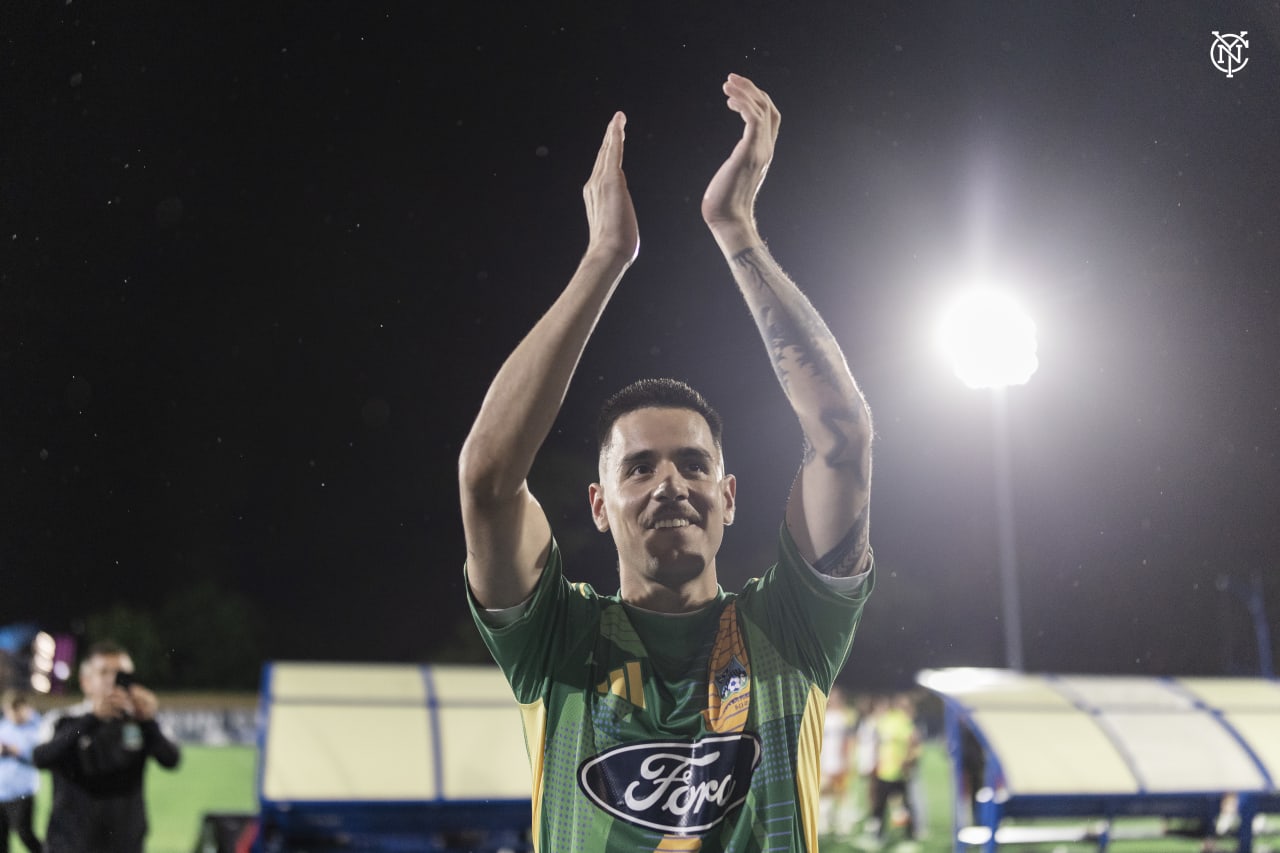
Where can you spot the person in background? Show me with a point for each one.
(97, 752)
(897, 752)
(834, 815)
(864, 756)
(19, 731)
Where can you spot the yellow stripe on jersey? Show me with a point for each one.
(626, 683)
(534, 716)
(635, 684)
(678, 844)
(616, 684)
(808, 771)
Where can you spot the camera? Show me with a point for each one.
(124, 679)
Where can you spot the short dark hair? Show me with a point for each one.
(656, 394)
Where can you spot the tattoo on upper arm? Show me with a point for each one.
(847, 451)
(833, 422)
(849, 557)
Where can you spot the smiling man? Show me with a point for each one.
(672, 715)
(667, 498)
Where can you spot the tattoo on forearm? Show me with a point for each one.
(794, 335)
(790, 335)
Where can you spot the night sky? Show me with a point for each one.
(259, 262)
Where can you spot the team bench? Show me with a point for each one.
(1100, 748)
(414, 759)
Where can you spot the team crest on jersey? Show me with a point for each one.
(673, 786)
(731, 679)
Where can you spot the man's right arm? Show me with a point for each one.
(59, 735)
(507, 534)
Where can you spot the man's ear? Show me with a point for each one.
(729, 486)
(595, 494)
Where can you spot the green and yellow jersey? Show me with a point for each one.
(694, 732)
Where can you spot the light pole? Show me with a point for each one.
(1252, 598)
(991, 343)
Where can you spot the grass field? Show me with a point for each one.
(221, 779)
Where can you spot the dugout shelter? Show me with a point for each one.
(415, 759)
(1104, 747)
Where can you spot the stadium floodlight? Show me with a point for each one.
(989, 339)
(991, 343)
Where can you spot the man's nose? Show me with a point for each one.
(671, 485)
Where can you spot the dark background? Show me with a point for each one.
(259, 261)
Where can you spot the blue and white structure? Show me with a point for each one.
(1081, 746)
(415, 759)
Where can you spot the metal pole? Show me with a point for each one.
(1252, 598)
(1257, 612)
(1004, 522)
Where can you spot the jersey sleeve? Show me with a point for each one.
(810, 621)
(529, 648)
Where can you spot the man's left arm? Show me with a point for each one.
(166, 753)
(827, 513)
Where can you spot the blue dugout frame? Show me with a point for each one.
(989, 811)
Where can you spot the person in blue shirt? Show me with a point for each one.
(19, 733)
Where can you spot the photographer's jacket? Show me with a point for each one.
(98, 768)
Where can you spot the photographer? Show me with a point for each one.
(97, 753)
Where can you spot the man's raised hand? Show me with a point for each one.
(730, 197)
(611, 217)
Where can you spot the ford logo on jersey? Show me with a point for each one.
(673, 786)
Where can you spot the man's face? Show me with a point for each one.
(98, 674)
(663, 494)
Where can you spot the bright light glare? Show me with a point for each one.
(965, 680)
(44, 644)
(989, 340)
(972, 835)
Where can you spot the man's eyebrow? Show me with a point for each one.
(637, 456)
(650, 455)
(695, 453)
